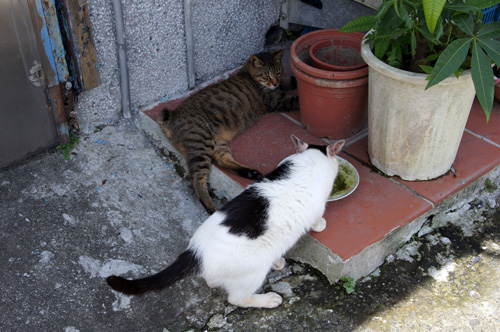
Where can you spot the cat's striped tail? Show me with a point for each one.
(186, 263)
(164, 116)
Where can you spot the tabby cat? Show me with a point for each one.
(237, 246)
(203, 125)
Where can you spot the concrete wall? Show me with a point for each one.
(103, 103)
(225, 33)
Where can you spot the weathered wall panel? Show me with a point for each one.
(75, 19)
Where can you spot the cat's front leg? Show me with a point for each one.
(279, 264)
(319, 225)
(223, 157)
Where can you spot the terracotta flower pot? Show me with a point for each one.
(337, 54)
(333, 104)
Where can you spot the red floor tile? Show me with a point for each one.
(155, 112)
(379, 205)
(373, 210)
(477, 122)
(475, 157)
(359, 150)
(266, 143)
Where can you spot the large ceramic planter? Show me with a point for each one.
(332, 103)
(412, 132)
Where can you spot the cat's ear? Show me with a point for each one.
(277, 56)
(256, 61)
(300, 146)
(335, 148)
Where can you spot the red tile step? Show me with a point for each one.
(380, 204)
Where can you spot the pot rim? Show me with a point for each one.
(375, 63)
(310, 39)
(327, 43)
(328, 83)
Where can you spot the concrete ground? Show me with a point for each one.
(117, 207)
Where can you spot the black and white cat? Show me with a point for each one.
(238, 245)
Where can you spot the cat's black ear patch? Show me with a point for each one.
(321, 148)
(246, 214)
(281, 172)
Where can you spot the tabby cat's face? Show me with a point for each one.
(267, 69)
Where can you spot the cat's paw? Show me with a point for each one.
(211, 285)
(254, 175)
(319, 225)
(272, 300)
(279, 264)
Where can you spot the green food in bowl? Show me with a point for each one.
(346, 181)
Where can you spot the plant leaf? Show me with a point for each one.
(450, 59)
(462, 7)
(380, 47)
(492, 48)
(465, 23)
(396, 8)
(390, 24)
(395, 56)
(413, 43)
(432, 11)
(438, 31)
(482, 75)
(431, 57)
(383, 9)
(482, 4)
(426, 69)
(424, 31)
(491, 30)
(349, 290)
(405, 16)
(360, 24)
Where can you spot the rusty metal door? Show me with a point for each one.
(26, 121)
(38, 39)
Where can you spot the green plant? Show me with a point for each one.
(348, 284)
(489, 186)
(68, 147)
(437, 37)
